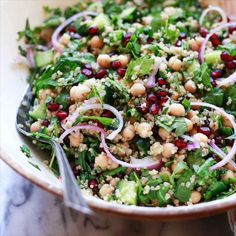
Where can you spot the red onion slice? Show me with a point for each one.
(30, 57)
(230, 80)
(56, 33)
(151, 81)
(140, 163)
(232, 152)
(213, 8)
(217, 29)
(220, 153)
(193, 145)
(85, 108)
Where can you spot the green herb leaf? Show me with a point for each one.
(24, 149)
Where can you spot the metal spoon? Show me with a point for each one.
(72, 194)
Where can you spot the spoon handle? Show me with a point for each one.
(72, 194)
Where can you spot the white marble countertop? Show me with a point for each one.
(26, 210)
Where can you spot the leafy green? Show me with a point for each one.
(143, 146)
(34, 165)
(230, 93)
(202, 75)
(195, 158)
(84, 159)
(24, 149)
(214, 189)
(215, 97)
(229, 47)
(139, 67)
(63, 99)
(118, 170)
(186, 104)
(161, 196)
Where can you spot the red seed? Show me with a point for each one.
(215, 40)
(155, 130)
(219, 140)
(204, 130)
(116, 64)
(88, 66)
(121, 72)
(93, 184)
(161, 93)
(144, 109)
(93, 31)
(150, 40)
(151, 98)
(162, 100)
(87, 73)
(216, 74)
(101, 74)
(231, 65)
(182, 36)
(107, 114)
(226, 57)
(53, 106)
(213, 82)
(232, 29)
(71, 29)
(203, 32)
(45, 123)
(230, 142)
(216, 158)
(161, 81)
(178, 43)
(61, 115)
(181, 144)
(126, 39)
(154, 109)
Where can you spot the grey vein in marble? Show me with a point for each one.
(26, 210)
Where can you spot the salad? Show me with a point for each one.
(142, 97)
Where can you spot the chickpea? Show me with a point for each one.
(195, 197)
(101, 161)
(137, 89)
(106, 190)
(177, 109)
(79, 93)
(173, 166)
(228, 175)
(96, 42)
(229, 166)
(124, 60)
(227, 122)
(65, 39)
(104, 60)
(35, 127)
(128, 133)
(189, 124)
(164, 134)
(169, 149)
(175, 63)
(75, 139)
(190, 86)
(200, 137)
(144, 129)
(193, 44)
(175, 96)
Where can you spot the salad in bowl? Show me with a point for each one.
(141, 95)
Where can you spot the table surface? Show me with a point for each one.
(26, 210)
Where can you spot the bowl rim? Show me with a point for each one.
(132, 212)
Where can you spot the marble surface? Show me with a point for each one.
(26, 210)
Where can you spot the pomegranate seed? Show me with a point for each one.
(142, 109)
(216, 158)
(71, 29)
(216, 74)
(204, 130)
(230, 142)
(99, 124)
(53, 106)
(93, 184)
(87, 73)
(161, 81)
(231, 65)
(88, 66)
(203, 32)
(178, 43)
(75, 171)
(101, 74)
(154, 109)
(182, 36)
(162, 100)
(61, 115)
(226, 57)
(161, 93)
(232, 29)
(46, 123)
(150, 40)
(121, 72)
(116, 64)
(215, 40)
(107, 114)
(181, 144)
(213, 82)
(93, 31)
(126, 39)
(155, 131)
(151, 98)
(219, 140)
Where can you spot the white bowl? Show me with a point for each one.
(13, 83)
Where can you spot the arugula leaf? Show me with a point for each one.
(139, 67)
(24, 149)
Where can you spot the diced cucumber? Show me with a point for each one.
(127, 13)
(128, 192)
(39, 113)
(43, 58)
(213, 57)
(193, 67)
(101, 21)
